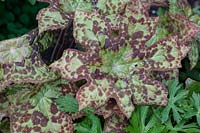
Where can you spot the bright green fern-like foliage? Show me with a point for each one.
(160, 120)
(175, 96)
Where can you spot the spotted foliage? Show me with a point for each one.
(26, 119)
(29, 112)
(186, 27)
(117, 63)
(61, 12)
(21, 63)
(115, 124)
(121, 56)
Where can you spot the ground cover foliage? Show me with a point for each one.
(104, 66)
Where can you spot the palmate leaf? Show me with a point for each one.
(26, 119)
(195, 109)
(67, 104)
(21, 63)
(171, 23)
(117, 63)
(51, 19)
(176, 94)
(142, 121)
(15, 50)
(61, 12)
(42, 100)
(90, 124)
(35, 111)
(182, 127)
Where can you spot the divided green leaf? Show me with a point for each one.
(67, 104)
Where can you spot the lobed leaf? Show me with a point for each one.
(27, 119)
(51, 19)
(35, 111)
(14, 50)
(23, 64)
(117, 63)
(115, 124)
(176, 95)
(67, 104)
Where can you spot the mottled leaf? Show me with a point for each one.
(69, 6)
(30, 70)
(34, 110)
(148, 91)
(115, 124)
(25, 118)
(59, 14)
(112, 6)
(51, 19)
(166, 75)
(14, 50)
(22, 63)
(186, 29)
(109, 109)
(117, 64)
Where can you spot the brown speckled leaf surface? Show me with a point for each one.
(117, 55)
(22, 63)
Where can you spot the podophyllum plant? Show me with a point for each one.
(110, 50)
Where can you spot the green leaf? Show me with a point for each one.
(5, 126)
(21, 63)
(67, 104)
(194, 87)
(32, 2)
(4, 104)
(15, 50)
(194, 74)
(115, 52)
(182, 127)
(42, 100)
(195, 100)
(174, 8)
(196, 9)
(90, 124)
(193, 55)
(38, 112)
(143, 121)
(51, 19)
(176, 94)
